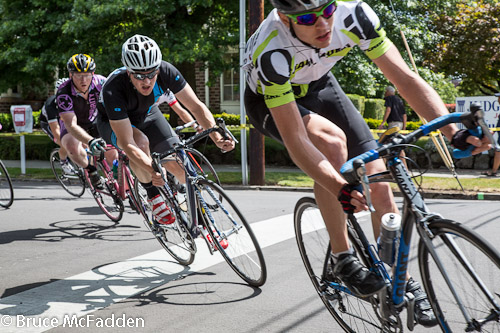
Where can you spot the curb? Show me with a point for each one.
(429, 194)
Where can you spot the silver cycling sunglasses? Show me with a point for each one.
(142, 77)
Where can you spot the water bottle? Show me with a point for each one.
(115, 169)
(389, 233)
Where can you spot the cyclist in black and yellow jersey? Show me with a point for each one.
(293, 97)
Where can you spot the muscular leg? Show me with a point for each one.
(331, 141)
(381, 195)
(142, 142)
(75, 150)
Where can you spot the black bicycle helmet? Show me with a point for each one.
(81, 63)
(297, 6)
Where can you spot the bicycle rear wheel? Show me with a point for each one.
(175, 238)
(6, 189)
(225, 222)
(352, 313)
(467, 259)
(106, 195)
(72, 183)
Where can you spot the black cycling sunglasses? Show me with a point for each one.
(142, 77)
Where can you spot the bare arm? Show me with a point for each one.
(386, 115)
(204, 117)
(181, 112)
(70, 122)
(418, 93)
(56, 131)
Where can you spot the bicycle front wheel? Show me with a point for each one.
(73, 182)
(175, 238)
(107, 196)
(234, 237)
(352, 313)
(6, 189)
(472, 266)
(202, 165)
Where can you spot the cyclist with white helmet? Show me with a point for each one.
(49, 122)
(131, 119)
(77, 104)
(293, 97)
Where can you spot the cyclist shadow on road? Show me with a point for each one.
(92, 290)
(71, 229)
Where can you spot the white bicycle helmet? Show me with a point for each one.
(141, 54)
(59, 82)
(297, 6)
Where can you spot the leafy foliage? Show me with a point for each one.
(470, 46)
(37, 37)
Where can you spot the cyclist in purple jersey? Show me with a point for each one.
(77, 103)
(132, 120)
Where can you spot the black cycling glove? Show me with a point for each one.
(345, 197)
(458, 140)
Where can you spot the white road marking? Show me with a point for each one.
(90, 291)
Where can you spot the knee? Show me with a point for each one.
(143, 144)
(381, 195)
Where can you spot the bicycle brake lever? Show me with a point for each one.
(361, 170)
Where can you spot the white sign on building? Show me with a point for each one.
(489, 104)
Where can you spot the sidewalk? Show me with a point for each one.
(444, 173)
(462, 173)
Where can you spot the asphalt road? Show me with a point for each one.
(61, 256)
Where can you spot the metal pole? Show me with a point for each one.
(257, 147)
(23, 155)
(243, 121)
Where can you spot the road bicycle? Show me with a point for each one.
(207, 210)
(115, 186)
(6, 189)
(72, 182)
(460, 270)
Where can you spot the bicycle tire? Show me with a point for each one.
(202, 165)
(74, 184)
(6, 189)
(224, 221)
(352, 313)
(107, 197)
(174, 238)
(484, 260)
(130, 190)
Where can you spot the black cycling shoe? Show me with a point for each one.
(423, 310)
(357, 277)
(95, 179)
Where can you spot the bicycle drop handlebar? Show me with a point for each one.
(474, 121)
(220, 127)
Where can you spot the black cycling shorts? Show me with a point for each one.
(160, 134)
(46, 128)
(326, 98)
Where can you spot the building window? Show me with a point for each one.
(230, 85)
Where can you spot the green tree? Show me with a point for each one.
(470, 45)
(30, 40)
(38, 36)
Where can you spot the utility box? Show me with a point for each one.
(22, 116)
